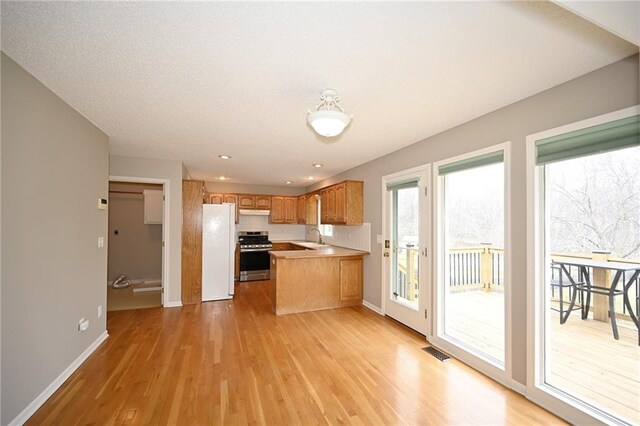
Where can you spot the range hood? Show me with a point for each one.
(255, 212)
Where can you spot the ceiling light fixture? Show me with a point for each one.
(223, 178)
(317, 165)
(310, 178)
(224, 157)
(328, 119)
(288, 182)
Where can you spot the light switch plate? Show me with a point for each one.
(379, 238)
(100, 241)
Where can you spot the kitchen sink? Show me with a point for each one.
(311, 245)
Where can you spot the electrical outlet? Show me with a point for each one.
(83, 325)
(99, 311)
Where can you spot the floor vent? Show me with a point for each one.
(436, 353)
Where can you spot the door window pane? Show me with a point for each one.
(405, 246)
(592, 215)
(473, 287)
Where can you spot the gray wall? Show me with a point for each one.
(132, 167)
(608, 89)
(241, 188)
(136, 250)
(53, 273)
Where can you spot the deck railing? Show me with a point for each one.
(482, 268)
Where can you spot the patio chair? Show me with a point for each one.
(560, 284)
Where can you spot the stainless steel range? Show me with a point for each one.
(254, 255)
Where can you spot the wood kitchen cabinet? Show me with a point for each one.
(283, 210)
(263, 202)
(277, 206)
(290, 206)
(252, 201)
(350, 279)
(216, 198)
(279, 246)
(246, 201)
(312, 209)
(232, 198)
(192, 196)
(301, 209)
(342, 203)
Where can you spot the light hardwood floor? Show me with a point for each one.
(234, 362)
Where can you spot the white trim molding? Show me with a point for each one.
(53, 386)
(166, 227)
(177, 304)
(373, 307)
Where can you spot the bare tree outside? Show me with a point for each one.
(594, 204)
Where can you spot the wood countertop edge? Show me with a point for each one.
(342, 252)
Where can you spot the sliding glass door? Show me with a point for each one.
(472, 256)
(586, 270)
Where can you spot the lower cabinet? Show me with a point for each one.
(311, 283)
(350, 279)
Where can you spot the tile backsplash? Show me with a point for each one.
(276, 232)
(357, 237)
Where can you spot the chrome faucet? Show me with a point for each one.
(319, 234)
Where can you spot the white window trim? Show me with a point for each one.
(556, 401)
(437, 337)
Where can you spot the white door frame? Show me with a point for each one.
(165, 225)
(554, 400)
(482, 364)
(423, 173)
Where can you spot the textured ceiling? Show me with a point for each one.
(189, 81)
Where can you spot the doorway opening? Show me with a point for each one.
(135, 246)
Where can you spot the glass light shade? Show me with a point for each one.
(328, 123)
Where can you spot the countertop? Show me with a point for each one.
(328, 251)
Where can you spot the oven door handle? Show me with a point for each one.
(254, 250)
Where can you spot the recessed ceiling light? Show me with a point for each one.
(288, 182)
(224, 157)
(318, 165)
(223, 178)
(310, 178)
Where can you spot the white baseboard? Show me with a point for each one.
(519, 387)
(173, 304)
(374, 308)
(49, 390)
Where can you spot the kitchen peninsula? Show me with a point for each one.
(307, 279)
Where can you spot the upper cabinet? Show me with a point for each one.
(312, 208)
(153, 201)
(215, 198)
(342, 204)
(301, 209)
(283, 209)
(246, 201)
(263, 202)
(251, 201)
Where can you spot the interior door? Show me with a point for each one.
(405, 251)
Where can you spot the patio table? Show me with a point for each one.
(611, 291)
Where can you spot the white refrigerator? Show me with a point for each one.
(218, 247)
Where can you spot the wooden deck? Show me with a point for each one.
(585, 359)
